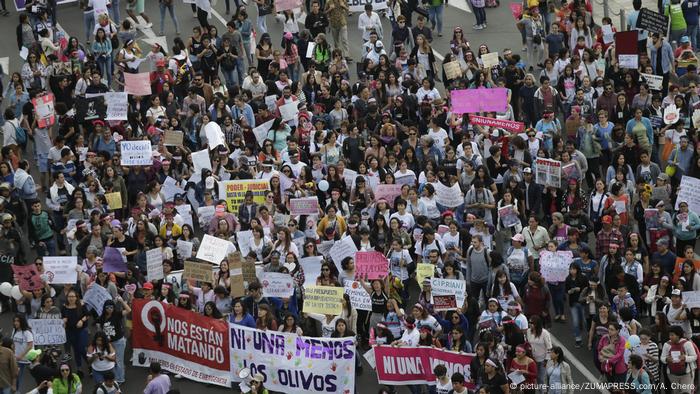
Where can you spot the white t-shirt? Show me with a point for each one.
(21, 340)
(443, 388)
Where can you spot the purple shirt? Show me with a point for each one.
(158, 385)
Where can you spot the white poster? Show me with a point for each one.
(213, 249)
(276, 284)
(342, 249)
(61, 270)
(137, 153)
(359, 298)
(201, 161)
(312, 269)
(184, 249)
(554, 266)
(448, 196)
(47, 331)
(260, 132)
(448, 287)
(359, 5)
(154, 264)
(289, 111)
(117, 105)
(689, 190)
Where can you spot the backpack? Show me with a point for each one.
(486, 254)
(20, 135)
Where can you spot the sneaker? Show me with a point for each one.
(148, 25)
(578, 344)
(475, 26)
(524, 49)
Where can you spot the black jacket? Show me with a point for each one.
(316, 23)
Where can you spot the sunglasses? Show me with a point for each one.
(325, 269)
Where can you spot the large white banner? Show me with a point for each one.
(294, 364)
(48, 331)
(359, 5)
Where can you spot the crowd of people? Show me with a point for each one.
(630, 145)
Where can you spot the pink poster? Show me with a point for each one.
(43, 106)
(372, 264)
(303, 206)
(27, 277)
(411, 365)
(466, 101)
(387, 192)
(137, 84)
(283, 5)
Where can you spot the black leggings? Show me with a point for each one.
(4, 8)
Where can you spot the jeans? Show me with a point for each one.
(171, 10)
(693, 34)
(480, 15)
(557, 292)
(114, 12)
(105, 65)
(262, 24)
(229, 77)
(119, 348)
(293, 71)
(578, 319)
(248, 55)
(99, 376)
(89, 23)
(20, 373)
(435, 16)
(78, 340)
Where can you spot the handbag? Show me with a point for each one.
(671, 167)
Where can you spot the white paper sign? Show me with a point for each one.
(449, 287)
(310, 50)
(117, 105)
(61, 270)
(184, 249)
(201, 161)
(5, 65)
(260, 132)
(154, 264)
(608, 34)
(47, 331)
(205, 215)
(655, 82)
(359, 298)
(277, 284)
(342, 249)
(215, 136)
(555, 266)
(689, 190)
(95, 297)
(244, 238)
(289, 111)
(691, 298)
(628, 61)
(137, 153)
(448, 196)
(312, 269)
(490, 59)
(213, 249)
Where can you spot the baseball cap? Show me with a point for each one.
(685, 40)
(148, 286)
(527, 170)
(676, 292)
(607, 219)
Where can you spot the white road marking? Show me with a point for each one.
(460, 4)
(576, 364)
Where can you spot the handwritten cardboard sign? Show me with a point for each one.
(198, 271)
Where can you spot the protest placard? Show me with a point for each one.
(27, 277)
(198, 271)
(47, 331)
(548, 172)
(554, 266)
(652, 21)
(260, 131)
(371, 265)
(289, 111)
(312, 269)
(213, 249)
(303, 206)
(387, 192)
(342, 249)
(5, 65)
(450, 197)
(691, 298)
(628, 61)
(277, 284)
(43, 107)
(205, 359)
(90, 108)
(689, 190)
(445, 302)
(490, 59)
(479, 100)
(655, 82)
(170, 188)
(497, 123)
(508, 216)
(359, 298)
(414, 365)
(61, 269)
(154, 264)
(95, 298)
(424, 271)
(571, 171)
(359, 5)
(136, 153)
(456, 287)
(215, 136)
(201, 161)
(137, 84)
(452, 70)
(284, 5)
(249, 273)
(292, 363)
(234, 192)
(325, 300)
(238, 285)
(205, 214)
(113, 260)
(114, 200)
(173, 138)
(184, 249)
(117, 105)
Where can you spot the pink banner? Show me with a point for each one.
(27, 277)
(303, 206)
(43, 106)
(467, 101)
(137, 84)
(408, 365)
(498, 123)
(517, 10)
(373, 264)
(387, 192)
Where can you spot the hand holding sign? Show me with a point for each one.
(671, 114)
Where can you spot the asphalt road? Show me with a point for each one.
(499, 34)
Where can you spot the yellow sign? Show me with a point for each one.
(234, 192)
(114, 200)
(326, 300)
(423, 271)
